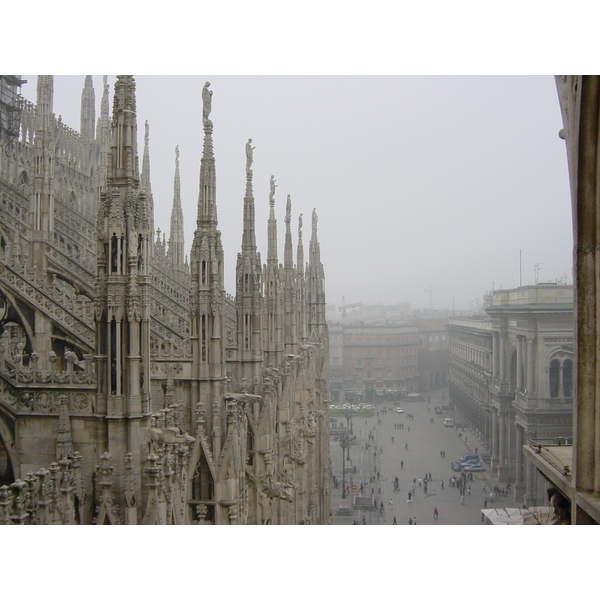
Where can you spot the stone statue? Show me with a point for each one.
(249, 149)
(206, 101)
(315, 220)
(273, 186)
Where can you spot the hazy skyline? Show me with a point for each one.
(419, 182)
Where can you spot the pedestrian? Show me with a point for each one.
(485, 503)
(377, 474)
(394, 521)
(364, 520)
(406, 446)
(442, 484)
(392, 439)
(483, 488)
(410, 521)
(391, 504)
(475, 449)
(414, 520)
(469, 490)
(409, 498)
(435, 513)
(402, 464)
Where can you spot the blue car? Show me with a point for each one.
(473, 468)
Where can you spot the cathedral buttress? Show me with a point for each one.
(315, 280)
(87, 124)
(273, 301)
(208, 295)
(290, 325)
(145, 185)
(43, 172)
(249, 300)
(176, 240)
(122, 304)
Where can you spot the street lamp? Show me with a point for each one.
(344, 443)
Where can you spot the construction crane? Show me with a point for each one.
(345, 306)
(431, 290)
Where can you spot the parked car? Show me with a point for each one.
(474, 468)
(469, 458)
(455, 466)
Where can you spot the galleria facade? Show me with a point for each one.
(133, 389)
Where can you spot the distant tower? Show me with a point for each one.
(248, 297)
(87, 126)
(315, 278)
(207, 327)
(300, 296)
(122, 302)
(273, 300)
(290, 332)
(176, 242)
(103, 131)
(145, 185)
(43, 178)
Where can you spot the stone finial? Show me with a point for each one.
(249, 155)
(206, 101)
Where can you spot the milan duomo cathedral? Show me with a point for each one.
(134, 389)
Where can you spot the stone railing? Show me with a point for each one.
(21, 368)
(48, 298)
(82, 271)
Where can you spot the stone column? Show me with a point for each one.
(519, 362)
(494, 438)
(530, 366)
(502, 453)
(501, 373)
(519, 487)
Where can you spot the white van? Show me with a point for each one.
(448, 422)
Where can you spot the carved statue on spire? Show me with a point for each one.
(177, 154)
(300, 226)
(315, 220)
(249, 149)
(206, 101)
(273, 186)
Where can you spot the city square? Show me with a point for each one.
(414, 453)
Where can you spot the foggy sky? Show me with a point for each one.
(419, 182)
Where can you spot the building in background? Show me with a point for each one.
(433, 354)
(511, 378)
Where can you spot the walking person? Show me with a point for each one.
(435, 513)
(402, 464)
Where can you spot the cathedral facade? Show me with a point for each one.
(133, 388)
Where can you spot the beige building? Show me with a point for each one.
(512, 378)
(133, 388)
